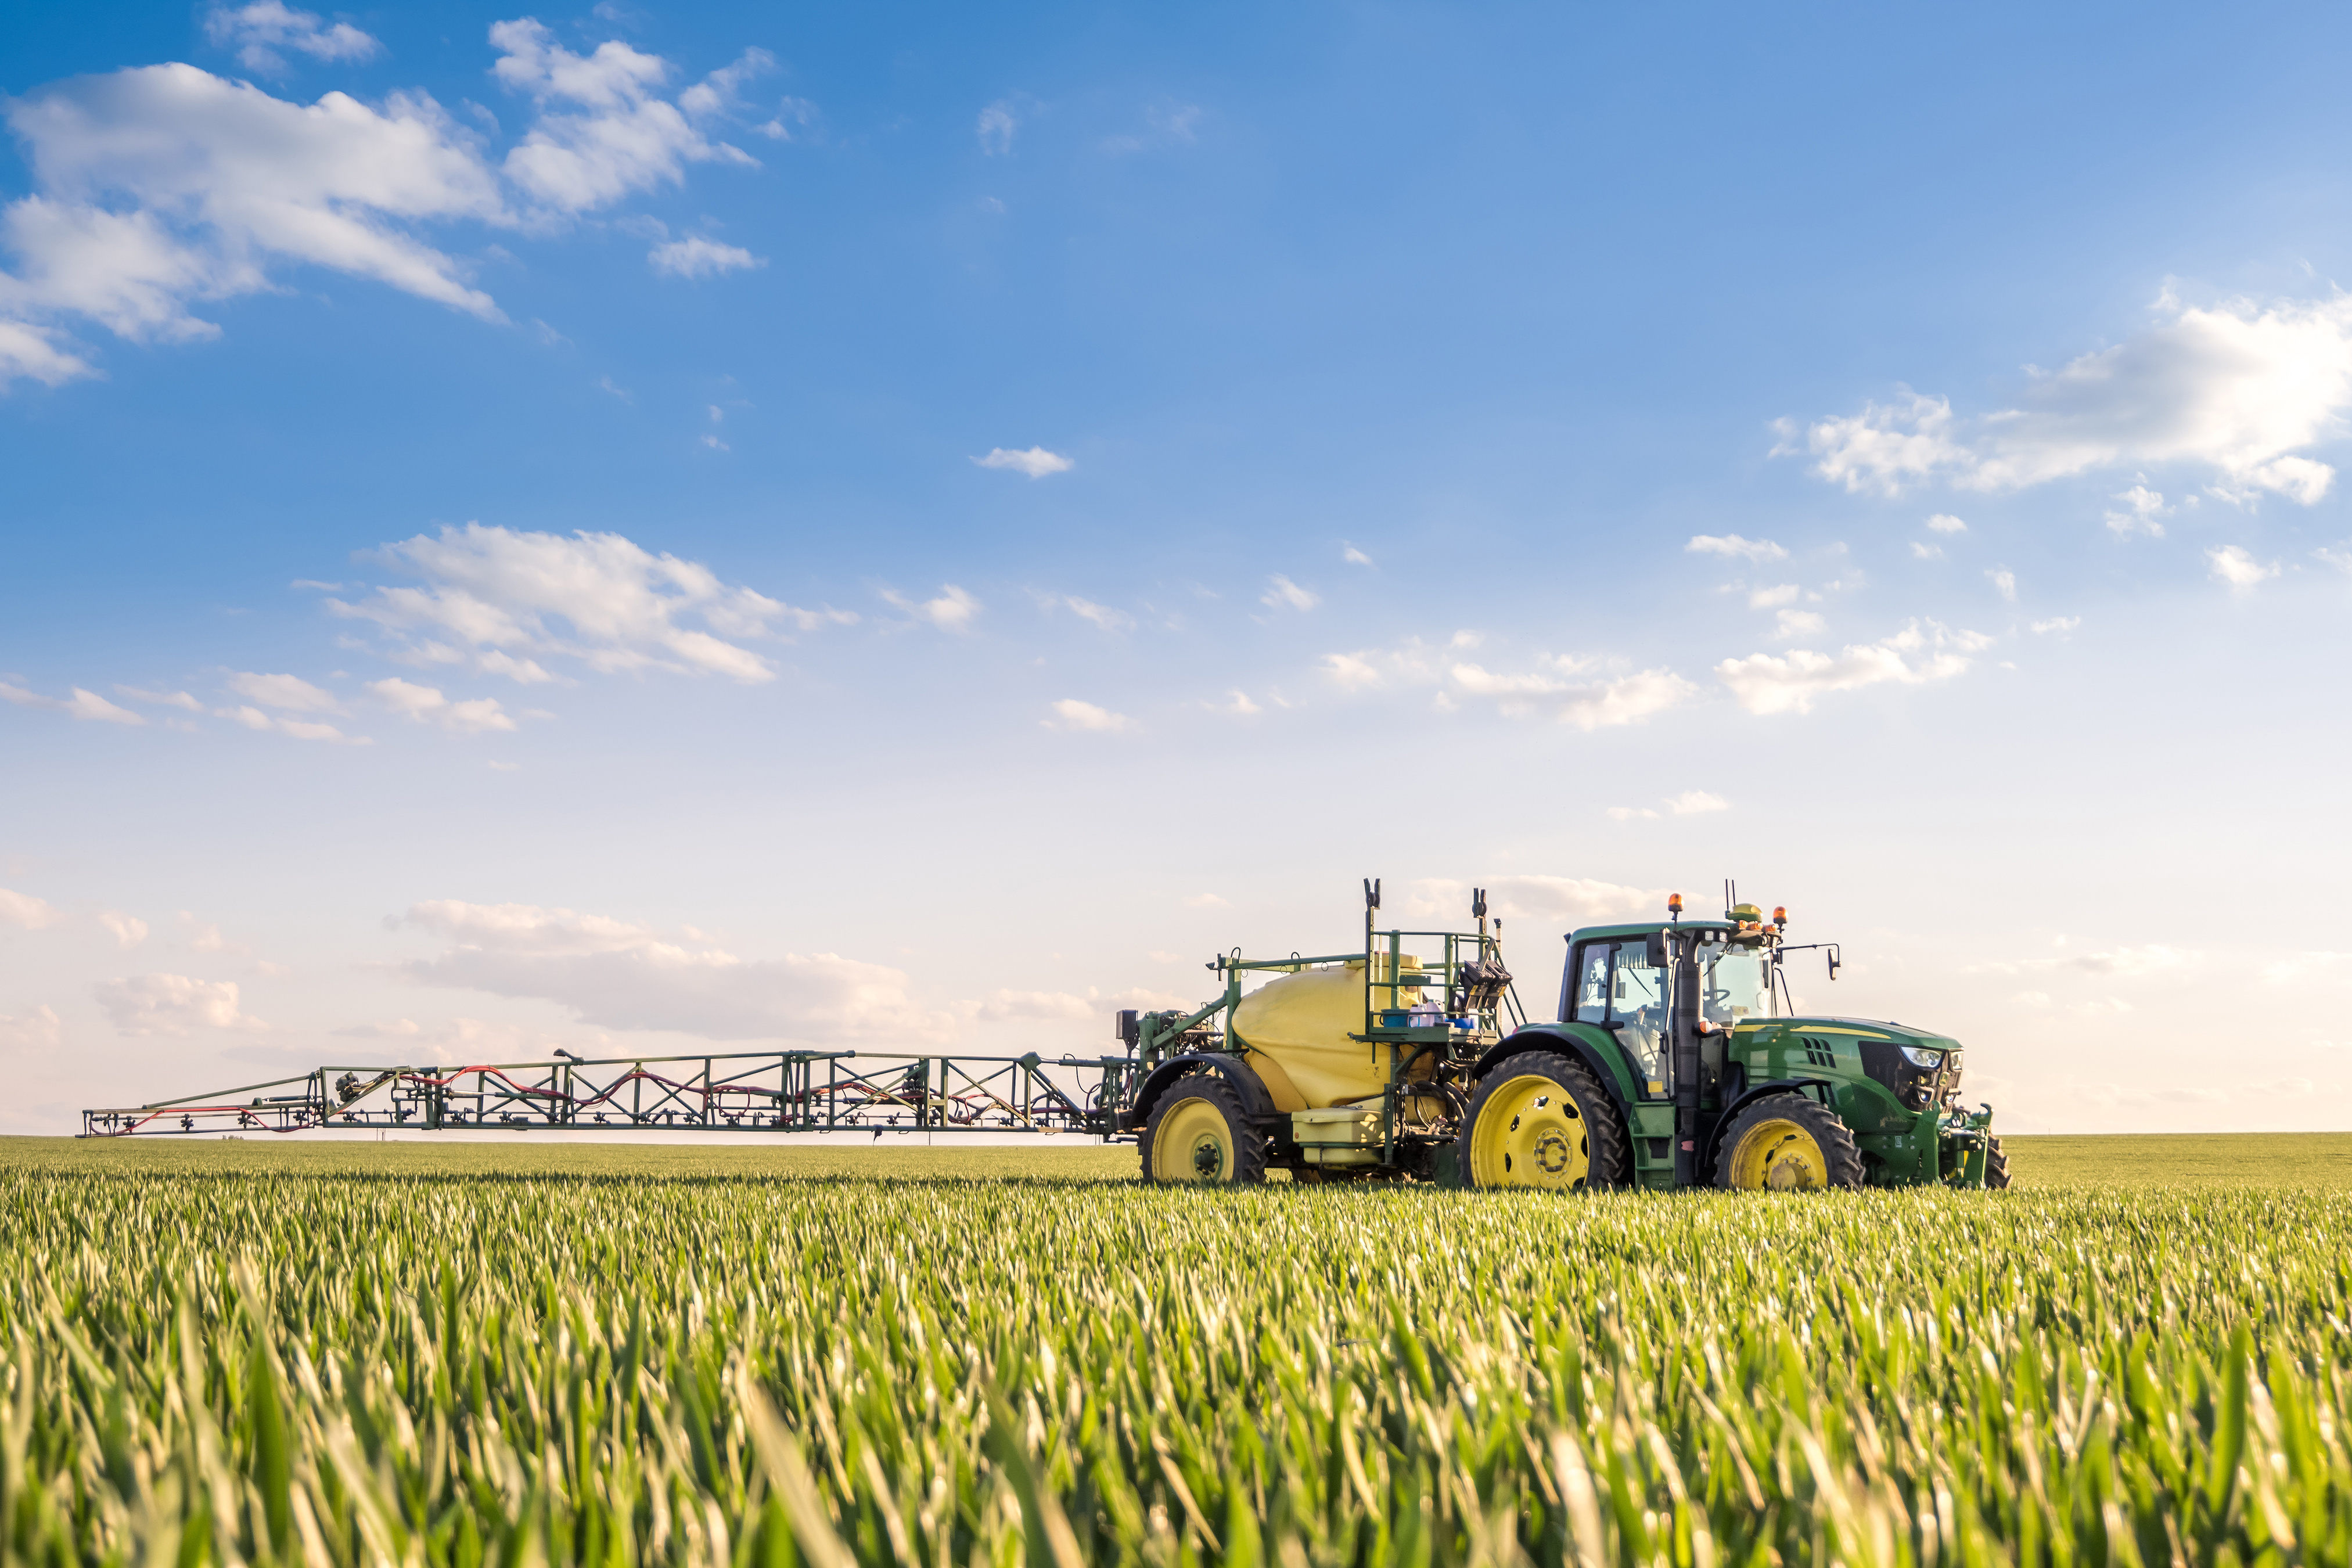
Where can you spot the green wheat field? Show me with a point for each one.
(485, 1355)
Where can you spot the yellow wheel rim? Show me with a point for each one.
(1529, 1134)
(1193, 1144)
(1778, 1155)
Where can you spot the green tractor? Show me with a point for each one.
(1675, 1059)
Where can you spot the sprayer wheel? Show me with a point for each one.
(1540, 1120)
(1197, 1135)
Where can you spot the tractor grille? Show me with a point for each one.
(1818, 1053)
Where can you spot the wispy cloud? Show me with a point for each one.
(1281, 594)
(1789, 683)
(260, 31)
(952, 611)
(1036, 462)
(694, 256)
(1070, 713)
(1732, 545)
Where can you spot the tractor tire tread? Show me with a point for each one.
(1249, 1143)
(1996, 1164)
(1607, 1148)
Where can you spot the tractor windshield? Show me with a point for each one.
(1737, 986)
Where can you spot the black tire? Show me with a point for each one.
(1996, 1164)
(1798, 1144)
(1218, 1145)
(1582, 1106)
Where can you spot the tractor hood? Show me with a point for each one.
(1856, 1028)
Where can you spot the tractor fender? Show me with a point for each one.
(1568, 1042)
(1811, 1088)
(1256, 1100)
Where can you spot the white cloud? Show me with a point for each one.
(1922, 550)
(500, 601)
(172, 1004)
(29, 353)
(160, 187)
(952, 611)
(1354, 557)
(128, 930)
(425, 704)
(1282, 592)
(161, 699)
(2142, 506)
(997, 124)
(85, 705)
(602, 133)
(39, 1030)
(1203, 901)
(1036, 1007)
(2231, 564)
(288, 692)
(615, 974)
(2239, 387)
(1694, 802)
(1556, 689)
(1767, 683)
(1945, 523)
(792, 113)
(1103, 616)
(1567, 901)
(1238, 701)
(722, 90)
(1773, 597)
(2004, 583)
(1587, 692)
(260, 30)
(1756, 549)
(27, 912)
(694, 256)
(1790, 626)
(1070, 713)
(1036, 462)
(2056, 624)
(300, 729)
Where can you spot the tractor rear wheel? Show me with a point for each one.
(1197, 1134)
(1540, 1120)
(1785, 1143)
(1996, 1163)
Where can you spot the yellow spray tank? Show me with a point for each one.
(1300, 1035)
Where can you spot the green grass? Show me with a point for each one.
(492, 1356)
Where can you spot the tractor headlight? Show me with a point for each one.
(1930, 1060)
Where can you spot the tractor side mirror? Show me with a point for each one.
(1655, 951)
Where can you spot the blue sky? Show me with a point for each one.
(648, 529)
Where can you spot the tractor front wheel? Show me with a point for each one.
(1996, 1163)
(1540, 1120)
(1786, 1143)
(1197, 1135)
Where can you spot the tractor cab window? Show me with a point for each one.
(1737, 986)
(1592, 983)
(1637, 1002)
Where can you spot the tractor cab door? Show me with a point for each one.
(1618, 988)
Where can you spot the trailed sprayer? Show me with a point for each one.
(1676, 1058)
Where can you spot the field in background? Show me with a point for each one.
(2299, 1160)
(487, 1355)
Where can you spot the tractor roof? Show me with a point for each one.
(1643, 928)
